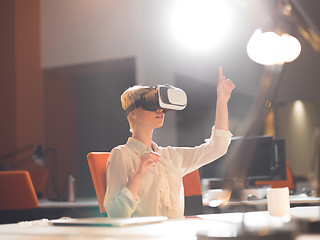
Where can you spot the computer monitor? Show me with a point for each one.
(265, 155)
(278, 164)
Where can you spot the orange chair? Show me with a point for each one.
(97, 164)
(192, 184)
(39, 176)
(17, 191)
(192, 194)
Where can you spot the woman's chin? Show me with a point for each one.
(159, 125)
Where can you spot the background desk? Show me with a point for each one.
(184, 228)
(78, 203)
(259, 205)
(80, 208)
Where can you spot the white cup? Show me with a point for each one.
(278, 201)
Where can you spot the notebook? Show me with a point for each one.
(108, 222)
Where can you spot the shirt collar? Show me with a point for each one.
(140, 147)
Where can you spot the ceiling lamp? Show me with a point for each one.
(269, 48)
(276, 45)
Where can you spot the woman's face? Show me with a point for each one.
(149, 119)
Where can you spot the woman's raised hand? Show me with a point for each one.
(224, 88)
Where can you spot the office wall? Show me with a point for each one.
(7, 77)
(81, 31)
(101, 122)
(60, 130)
(83, 114)
(21, 78)
(296, 122)
(29, 88)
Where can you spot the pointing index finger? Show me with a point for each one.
(221, 77)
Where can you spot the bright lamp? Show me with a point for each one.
(269, 48)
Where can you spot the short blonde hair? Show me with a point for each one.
(129, 96)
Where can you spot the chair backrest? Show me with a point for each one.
(97, 162)
(39, 176)
(192, 184)
(17, 191)
(192, 194)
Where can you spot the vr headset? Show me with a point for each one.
(165, 97)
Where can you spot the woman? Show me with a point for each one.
(144, 179)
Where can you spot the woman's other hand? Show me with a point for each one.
(146, 160)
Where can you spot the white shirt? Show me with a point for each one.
(161, 190)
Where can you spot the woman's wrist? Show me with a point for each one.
(136, 176)
(222, 102)
(221, 121)
(134, 184)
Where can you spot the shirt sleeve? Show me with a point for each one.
(214, 148)
(118, 201)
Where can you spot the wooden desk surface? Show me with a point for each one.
(184, 228)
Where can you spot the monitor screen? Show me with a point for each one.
(266, 156)
(278, 164)
(259, 150)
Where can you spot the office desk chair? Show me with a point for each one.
(97, 162)
(17, 191)
(192, 187)
(192, 194)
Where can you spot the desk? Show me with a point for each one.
(259, 205)
(294, 200)
(184, 228)
(80, 208)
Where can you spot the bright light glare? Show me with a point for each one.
(268, 48)
(291, 47)
(199, 24)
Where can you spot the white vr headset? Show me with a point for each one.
(165, 97)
